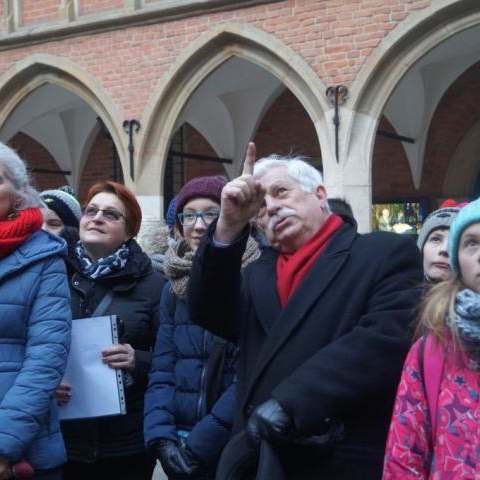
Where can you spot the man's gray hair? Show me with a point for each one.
(15, 170)
(297, 167)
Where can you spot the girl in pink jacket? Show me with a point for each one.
(435, 429)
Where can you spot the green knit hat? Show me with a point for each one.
(468, 215)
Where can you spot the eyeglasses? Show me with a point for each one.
(109, 214)
(188, 219)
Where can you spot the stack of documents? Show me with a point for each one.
(97, 389)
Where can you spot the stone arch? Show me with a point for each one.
(38, 156)
(201, 58)
(38, 69)
(464, 165)
(419, 33)
(405, 45)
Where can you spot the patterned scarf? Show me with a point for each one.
(467, 321)
(103, 266)
(14, 231)
(179, 258)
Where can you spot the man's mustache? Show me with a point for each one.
(280, 215)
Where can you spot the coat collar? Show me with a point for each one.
(278, 323)
(40, 245)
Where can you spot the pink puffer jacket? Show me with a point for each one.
(456, 446)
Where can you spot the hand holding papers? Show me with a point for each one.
(97, 389)
(121, 355)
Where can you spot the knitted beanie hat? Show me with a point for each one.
(441, 218)
(468, 215)
(64, 204)
(200, 187)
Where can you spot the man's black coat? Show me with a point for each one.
(333, 354)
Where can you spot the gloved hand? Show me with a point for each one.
(270, 421)
(177, 462)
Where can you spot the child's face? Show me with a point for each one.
(435, 256)
(469, 256)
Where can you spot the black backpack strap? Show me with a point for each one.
(103, 305)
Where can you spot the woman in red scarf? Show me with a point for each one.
(35, 322)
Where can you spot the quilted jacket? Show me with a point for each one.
(176, 395)
(35, 323)
(453, 451)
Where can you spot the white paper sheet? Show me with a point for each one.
(97, 389)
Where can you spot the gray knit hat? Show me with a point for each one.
(441, 218)
(64, 204)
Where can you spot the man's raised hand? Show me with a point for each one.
(250, 158)
(241, 200)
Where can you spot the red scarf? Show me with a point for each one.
(13, 232)
(292, 267)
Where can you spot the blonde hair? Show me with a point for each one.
(438, 304)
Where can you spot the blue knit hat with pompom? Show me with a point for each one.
(468, 215)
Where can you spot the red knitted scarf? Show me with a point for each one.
(292, 267)
(13, 232)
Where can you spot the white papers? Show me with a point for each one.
(97, 389)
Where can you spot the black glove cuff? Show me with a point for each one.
(191, 455)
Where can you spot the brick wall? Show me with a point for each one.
(196, 143)
(36, 156)
(99, 165)
(456, 114)
(34, 12)
(287, 128)
(335, 37)
(96, 6)
(391, 177)
(188, 168)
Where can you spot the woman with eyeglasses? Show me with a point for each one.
(189, 404)
(108, 263)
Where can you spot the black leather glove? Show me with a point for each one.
(270, 421)
(177, 462)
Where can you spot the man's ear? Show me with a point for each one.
(321, 194)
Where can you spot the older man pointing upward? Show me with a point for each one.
(321, 320)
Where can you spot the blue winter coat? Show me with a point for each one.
(35, 323)
(176, 394)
